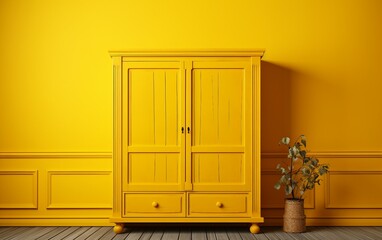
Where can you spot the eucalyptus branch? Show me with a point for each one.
(299, 178)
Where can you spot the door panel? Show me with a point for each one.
(220, 116)
(153, 118)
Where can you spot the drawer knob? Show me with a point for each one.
(155, 204)
(219, 204)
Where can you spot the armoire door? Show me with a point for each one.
(219, 151)
(153, 125)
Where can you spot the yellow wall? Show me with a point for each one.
(321, 76)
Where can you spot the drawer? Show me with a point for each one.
(218, 205)
(154, 205)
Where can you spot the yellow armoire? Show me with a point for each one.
(186, 137)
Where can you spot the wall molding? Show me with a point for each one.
(38, 155)
(330, 154)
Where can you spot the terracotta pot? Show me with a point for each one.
(294, 217)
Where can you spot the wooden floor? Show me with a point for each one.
(194, 233)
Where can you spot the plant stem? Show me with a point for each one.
(291, 175)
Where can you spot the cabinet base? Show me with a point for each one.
(120, 228)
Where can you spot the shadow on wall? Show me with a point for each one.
(276, 106)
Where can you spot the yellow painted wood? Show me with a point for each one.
(154, 205)
(223, 205)
(219, 172)
(185, 130)
(153, 117)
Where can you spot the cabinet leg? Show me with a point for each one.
(254, 228)
(118, 228)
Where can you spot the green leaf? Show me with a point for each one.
(277, 186)
(303, 140)
(305, 171)
(322, 170)
(314, 161)
(288, 190)
(285, 140)
(282, 179)
(295, 151)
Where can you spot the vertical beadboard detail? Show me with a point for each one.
(154, 112)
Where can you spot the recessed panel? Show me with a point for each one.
(80, 189)
(218, 168)
(218, 106)
(153, 168)
(153, 107)
(18, 189)
(353, 189)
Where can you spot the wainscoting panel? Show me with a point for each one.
(18, 189)
(354, 189)
(55, 188)
(79, 189)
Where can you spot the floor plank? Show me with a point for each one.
(54, 232)
(4, 229)
(185, 234)
(76, 233)
(145, 236)
(199, 234)
(233, 235)
(99, 233)
(211, 235)
(171, 235)
(221, 235)
(188, 233)
(12, 232)
(88, 233)
(135, 234)
(33, 233)
(355, 233)
(157, 235)
(110, 234)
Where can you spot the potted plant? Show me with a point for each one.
(299, 173)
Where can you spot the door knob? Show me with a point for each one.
(219, 204)
(155, 204)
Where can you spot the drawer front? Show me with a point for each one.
(218, 205)
(154, 205)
